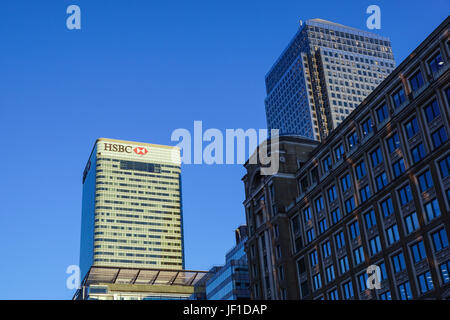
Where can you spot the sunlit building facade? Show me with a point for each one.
(131, 209)
(322, 76)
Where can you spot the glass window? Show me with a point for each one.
(339, 239)
(440, 240)
(366, 127)
(339, 152)
(398, 98)
(332, 193)
(411, 222)
(405, 194)
(377, 157)
(361, 170)
(335, 216)
(370, 220)
(432, 111)
(375, 245)
(418, 252)
(439, 137)
(364, 193)
(358, 254)
(386, 207)
(392, 234)
(382, 113)
(445, 269)
(354, 230)
(393, 142)
(347, 289)
(362, 280)
(432, 209)
(349, 205)
(436, 63)
(425, 282)
(352, 140)
(416, 81)
(412, 128)
(444, 167)
(343, 264)
(346, 182)
(313, 258)
(398, 168)
(330, 273)
(404, 291)
(418, 153)
(398, 262)
(425, 181)
(381, 181)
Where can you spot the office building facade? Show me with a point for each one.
(131, 209)
(376, 192)
(324, 74)
(231, 281)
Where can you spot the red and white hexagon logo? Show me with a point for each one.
(140, 150)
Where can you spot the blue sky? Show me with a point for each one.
(137, 70)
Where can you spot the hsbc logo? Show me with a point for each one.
(140, 150)
(125, 149)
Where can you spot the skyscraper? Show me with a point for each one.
(131, 211)
(325, 72)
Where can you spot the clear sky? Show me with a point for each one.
(137, 70)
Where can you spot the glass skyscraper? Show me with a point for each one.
(131, 210)
(231, 281)
(325, 72)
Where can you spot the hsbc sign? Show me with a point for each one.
(125, 149)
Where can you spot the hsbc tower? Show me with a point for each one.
(131, 208)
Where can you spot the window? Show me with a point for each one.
(432, 209)
(366, 127)
(432, 111)
(332, 193)
(310, 235)
(330, 273)
(362, 279)
(418, 252)
(386, 207)
(392, 234)
(352, 140)
(440, 240)
(418, 153)
(319, 204)
(323, 225)
(393, 142)
(425, 282)
(343, 264)
(364, 193)
(435, 63)
(404, 291)
(317, 281)
(370, 220)
(313, 258)
(350, 205)
(405, 195)
(439, 137)
(347, 289)
(398, 168)
(382, 113)
(445, 269)
(444, 167)
(354, 230)
(374, 245)
(386, 296)
(416, 81)
(301, 266)
(358, 255)
(346, 182)
(425, 181)
(326, 249)
(376, 157)
(339, 152)
(360, 170)
(411, 222)
(412, 128)
(335, 216)
(339, 239)
(326, 163)
(307, 214)
(398, 262)
(381, 181)
(398, 98)
(333, 295)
